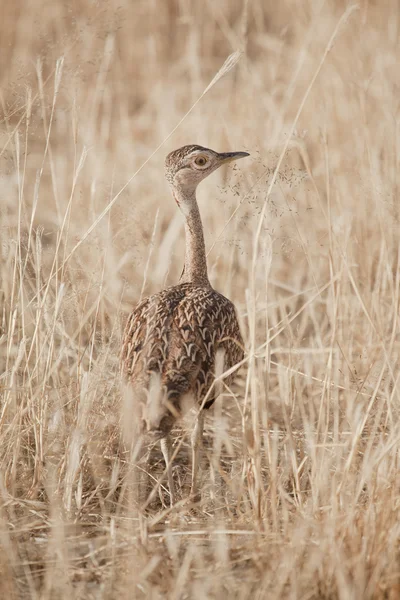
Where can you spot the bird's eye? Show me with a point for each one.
(201, 161)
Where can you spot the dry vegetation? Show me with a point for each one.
(300, 492)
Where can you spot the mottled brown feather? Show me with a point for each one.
(177, 334)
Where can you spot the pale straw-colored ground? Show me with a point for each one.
(300, 482)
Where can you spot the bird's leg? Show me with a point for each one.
(166, 450)
(197, 443)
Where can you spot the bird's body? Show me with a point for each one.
(176, 334)
(172, 339)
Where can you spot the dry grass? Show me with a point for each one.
(301, 496)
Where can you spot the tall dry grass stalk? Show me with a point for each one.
(300, 479)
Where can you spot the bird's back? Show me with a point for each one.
(177, 334)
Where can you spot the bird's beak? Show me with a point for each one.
(226, 157)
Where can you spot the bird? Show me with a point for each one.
(172, 339)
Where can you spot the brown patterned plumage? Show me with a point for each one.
(173, 337)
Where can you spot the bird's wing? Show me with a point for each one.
(177, 334)
(204, 323)
(145, 339)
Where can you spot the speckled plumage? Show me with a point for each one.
(173, 337)
(177, 334)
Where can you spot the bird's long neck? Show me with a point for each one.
(195, 270)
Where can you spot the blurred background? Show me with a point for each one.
(303, 237)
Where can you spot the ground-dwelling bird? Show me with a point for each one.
(172, 339)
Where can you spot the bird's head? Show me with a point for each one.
(186, 167)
